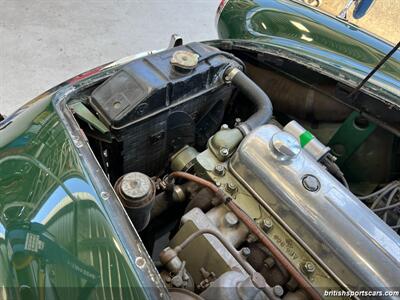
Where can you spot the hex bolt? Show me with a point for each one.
(231, 188)
(278, 290)
(224, 152)
(231, 219)
(245, 251)
(219, 170)
(266, 224)
(308, 268)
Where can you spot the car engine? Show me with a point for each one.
(236, 200)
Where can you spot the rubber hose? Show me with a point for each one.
(256, 95)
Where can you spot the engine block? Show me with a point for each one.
(320, 226)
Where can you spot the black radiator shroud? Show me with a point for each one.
(154, 110)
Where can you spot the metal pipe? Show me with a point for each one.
(249, 270)
(255, 230)
(256, 278)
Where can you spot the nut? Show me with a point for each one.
(219, 170)
(231, 188)
(266, 224)
(245, 251)
(224, 152)
(308, 268)
(278, 290)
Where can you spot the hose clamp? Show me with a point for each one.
(230, 74)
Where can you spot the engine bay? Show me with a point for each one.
(248, 176)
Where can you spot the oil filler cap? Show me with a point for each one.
(285, 146)
(184, 61)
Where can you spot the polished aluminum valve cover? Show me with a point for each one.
(332, 224)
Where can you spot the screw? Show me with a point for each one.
(266, 224)
(245, 251)
(231, 219)
(231, 188)
(140, 262)
(219, 170)
(224, 152)
(105, 195)
(308, 268)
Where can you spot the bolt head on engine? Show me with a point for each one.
(219, 170)
(266, 224)
(308, 268)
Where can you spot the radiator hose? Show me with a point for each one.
(255, 94)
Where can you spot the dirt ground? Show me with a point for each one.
(383, 18)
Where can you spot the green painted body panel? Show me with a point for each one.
(349, 137)
(315, 39)
(56, 241)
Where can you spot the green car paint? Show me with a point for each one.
(328, 45)
(56, 237)
(352, 136)
(59, 234)
(315, 39)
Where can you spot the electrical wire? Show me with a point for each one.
(382, 204)
(382, 190)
